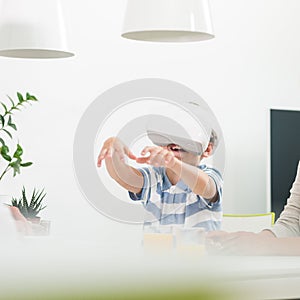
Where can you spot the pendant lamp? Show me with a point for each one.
(32, 29)
(168, 20)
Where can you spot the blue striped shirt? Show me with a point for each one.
(177, 204)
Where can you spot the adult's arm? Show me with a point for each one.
(288, 223)
(249, 243)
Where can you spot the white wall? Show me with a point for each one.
(252, 64)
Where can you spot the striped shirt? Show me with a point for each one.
(176, 204)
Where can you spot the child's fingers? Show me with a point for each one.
(145, 151)
(101, 156)
(142, 160)
(156, 157)
(159, 157)
(129, 153)
(169, 157)
(152, 153)
(109, 152)
(119, 151)
(149, 149)
(123, 151)
(112, 147)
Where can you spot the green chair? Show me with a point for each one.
(247, 222)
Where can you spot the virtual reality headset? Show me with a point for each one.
(162, 139)
(190, 127)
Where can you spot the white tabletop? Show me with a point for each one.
(63, 264)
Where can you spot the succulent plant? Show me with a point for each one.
(30, 209)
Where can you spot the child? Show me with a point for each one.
(175, 188)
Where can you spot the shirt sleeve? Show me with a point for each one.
(143, 195)
(217, 178)
(288, 223)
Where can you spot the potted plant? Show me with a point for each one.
(13, 160)
(30, 207)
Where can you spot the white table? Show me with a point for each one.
(57, 266)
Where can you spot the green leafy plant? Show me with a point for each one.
(30, 208)
(14, 159)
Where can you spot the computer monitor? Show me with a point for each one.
(285, 155)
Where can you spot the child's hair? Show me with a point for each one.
(213, 138)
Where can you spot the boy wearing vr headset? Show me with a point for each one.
(175, 188)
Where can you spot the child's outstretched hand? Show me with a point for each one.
(157, 157)
(114, 146)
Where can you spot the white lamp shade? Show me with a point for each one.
(168, 20)
(32, 29)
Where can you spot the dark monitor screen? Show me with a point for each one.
(285, 155)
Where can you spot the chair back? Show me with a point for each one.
(247, 222)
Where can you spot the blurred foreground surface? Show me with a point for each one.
(62, 268)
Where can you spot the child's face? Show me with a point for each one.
(187, 157)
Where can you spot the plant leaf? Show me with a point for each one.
(27, 164)
(9, 123)
(30, 209)
(25, 203)
(16, 108)
(4, 106)
(14, 202)
(33, 200)
(13, 126)
(16, 166)
(4, 153)
(20, 97)
(18, 153)
(2, 120)
(6, 157)
(11, 100)
(7, 133)
(2, 142)
(30, 97)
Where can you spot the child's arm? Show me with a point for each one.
(113, 152)
(198, 181)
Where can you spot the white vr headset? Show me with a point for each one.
(189, 126)
(162, 139)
